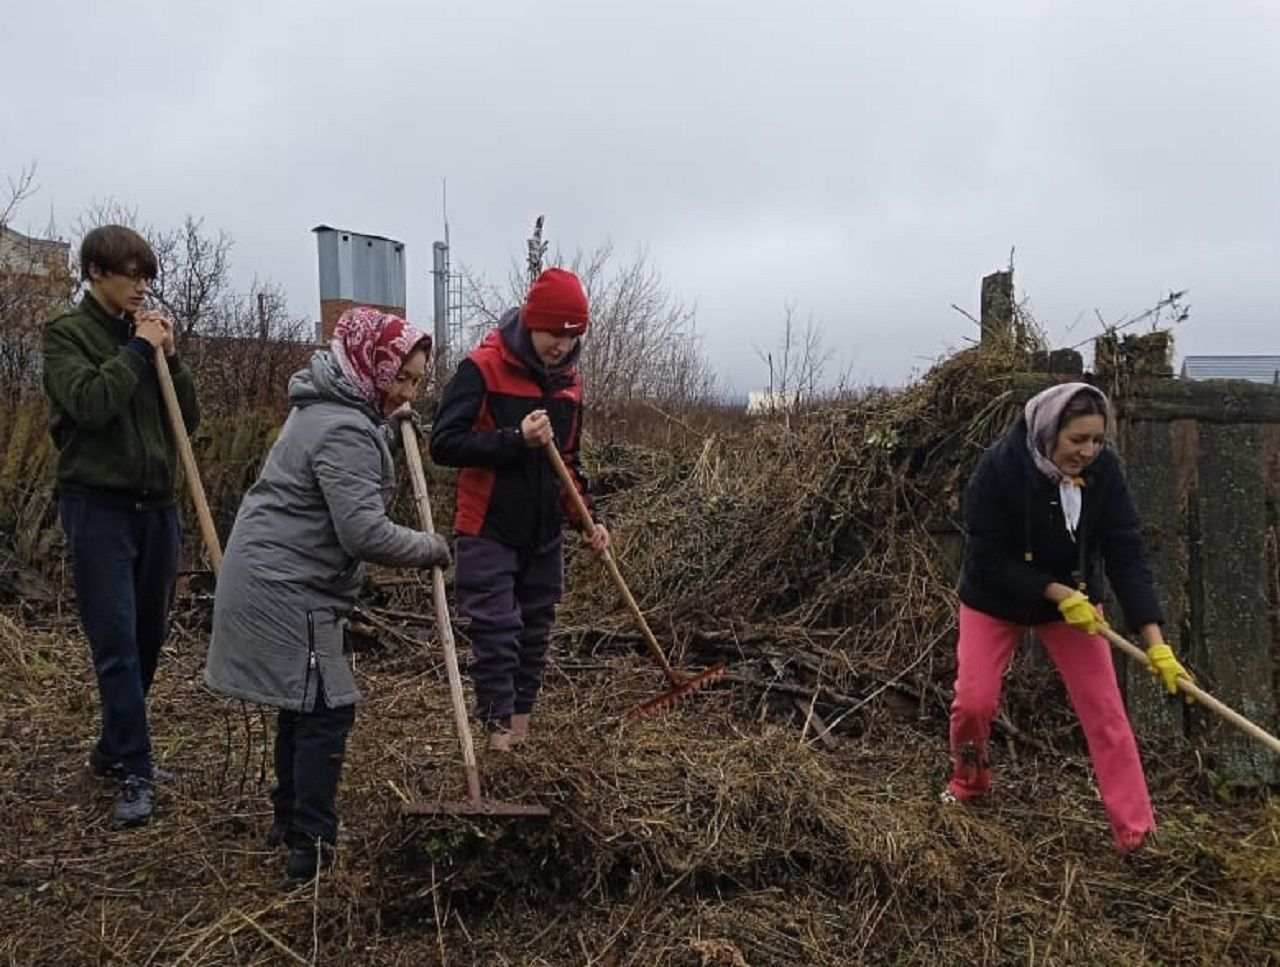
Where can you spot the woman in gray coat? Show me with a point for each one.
(292, 566)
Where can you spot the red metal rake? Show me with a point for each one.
(681, 687)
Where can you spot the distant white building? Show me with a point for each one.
(1255, 369)
(762, 402)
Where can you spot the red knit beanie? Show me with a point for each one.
(556, 303)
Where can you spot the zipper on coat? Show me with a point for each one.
(1082, 562)
(311, 659)
(136, 412)
(1029, 499)
(139, 411)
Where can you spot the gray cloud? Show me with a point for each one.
(865, 162)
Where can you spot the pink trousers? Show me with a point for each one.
(1084, 662)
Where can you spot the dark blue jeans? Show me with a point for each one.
(510, 596)
(125, 558)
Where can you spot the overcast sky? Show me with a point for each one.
(865, 162)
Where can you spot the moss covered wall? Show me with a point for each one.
(1203, 463)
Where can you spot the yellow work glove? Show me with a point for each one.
(1080, 613)
(1167, 668)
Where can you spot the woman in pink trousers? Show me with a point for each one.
(1046, 510)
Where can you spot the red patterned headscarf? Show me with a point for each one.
(371, 346)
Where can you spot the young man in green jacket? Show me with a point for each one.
(116, 468)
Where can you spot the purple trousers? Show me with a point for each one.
(510, 597)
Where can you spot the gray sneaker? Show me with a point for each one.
(137, 801)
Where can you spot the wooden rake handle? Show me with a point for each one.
(1198, 693)
(655, 650)
(212, 545)
(440, 604)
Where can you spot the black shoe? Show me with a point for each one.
(306, 858)
(137, 801)
(278, 834)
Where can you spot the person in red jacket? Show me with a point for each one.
(517, 391)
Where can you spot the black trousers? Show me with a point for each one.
(310, 747)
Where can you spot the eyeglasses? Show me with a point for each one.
(137, 278)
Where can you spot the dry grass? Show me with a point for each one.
(702, 836)
(722, 833)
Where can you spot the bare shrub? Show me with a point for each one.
(35, 283)
(643, 346)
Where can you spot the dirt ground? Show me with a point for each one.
(713, 835)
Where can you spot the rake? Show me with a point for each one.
(475, 804)
(681, 687)
(212, 546)
(1190, 688)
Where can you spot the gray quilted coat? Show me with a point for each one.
(292, 566)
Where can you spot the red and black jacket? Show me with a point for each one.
(509, 492)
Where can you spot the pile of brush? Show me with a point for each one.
(787, 816)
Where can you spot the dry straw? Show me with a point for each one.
(724, 833)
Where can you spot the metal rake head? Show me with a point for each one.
(466, 807)
(670, 699)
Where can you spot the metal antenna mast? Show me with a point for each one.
(447, 323)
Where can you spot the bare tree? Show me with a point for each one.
(242, 346)
(193, 264)
(21, 188)
(796, 364)
(643, 343)
(642, 346)
(248, 347)
(484, 301)
(35, 284)
(195, 274)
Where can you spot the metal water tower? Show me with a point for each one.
(357, 270)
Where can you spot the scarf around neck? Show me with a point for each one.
(1043, 413)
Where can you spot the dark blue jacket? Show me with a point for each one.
(1016, 540)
